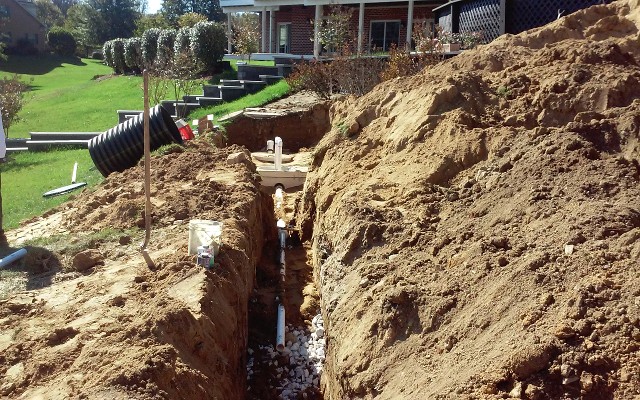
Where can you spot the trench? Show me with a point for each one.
(294, 371)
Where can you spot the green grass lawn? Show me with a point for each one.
(266, 95)
(67, 94)
(27, 176)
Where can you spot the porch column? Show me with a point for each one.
(360, 28)
(272, 21)
(264, 30)
(409, 25)
(229, 34)
(316, 31)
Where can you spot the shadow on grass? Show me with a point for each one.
(37, 65)
(38, 267)
(9, 165)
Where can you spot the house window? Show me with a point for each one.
(284, 38)
(4, 12)
(383, 34)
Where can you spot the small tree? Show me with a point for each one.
(12, 91)
(207, 43)
(335, 33)
(246, 33)
(61, 41)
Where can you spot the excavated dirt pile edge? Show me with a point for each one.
(478, 235)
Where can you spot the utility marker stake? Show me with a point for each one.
(147, 173)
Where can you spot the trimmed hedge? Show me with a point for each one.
(106, 51)
(183, 41)
(133, 53)
(61, 41)
(117, 55)
(166, 41)
(150, 46)
(207, 43)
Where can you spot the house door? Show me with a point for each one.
(383, 34)
(284, 38)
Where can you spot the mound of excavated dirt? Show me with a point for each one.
(478, 235)
(118, 329)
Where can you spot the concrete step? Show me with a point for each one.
(63, 135)
(211, 90)
(36, 145)
(123, 115)
(208, 101)
(269, 79)
(230, 93)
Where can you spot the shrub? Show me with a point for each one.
(97, 55)
(106, 51)
(117, 55)
(150, 46)
(133, 53)
(207, 43)
(316, 76)
(61, 41)
(183, 41)
(166, 41)
(11, 97)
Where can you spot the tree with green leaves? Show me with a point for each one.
(149, 21)
(113, 18)
(49, 14)
(77, 22)
(174, 9)
(65, 5)
(189, 19)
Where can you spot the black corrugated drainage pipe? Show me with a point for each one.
(122, 146)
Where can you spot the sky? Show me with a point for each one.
(153, 6)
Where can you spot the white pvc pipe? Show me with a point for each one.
(73, 175)
(277, 159)
(280, 328)
(270, 146)
(12, 257)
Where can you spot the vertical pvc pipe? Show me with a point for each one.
(73, 174)
(280, 328)
(277, 159)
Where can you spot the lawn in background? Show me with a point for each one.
(70, 94)
(27, 176)
(266, 95)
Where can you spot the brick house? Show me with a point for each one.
(20, 23)
(288, 26)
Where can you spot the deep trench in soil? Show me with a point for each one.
(273, 374)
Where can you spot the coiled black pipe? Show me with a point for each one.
(122, 146)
